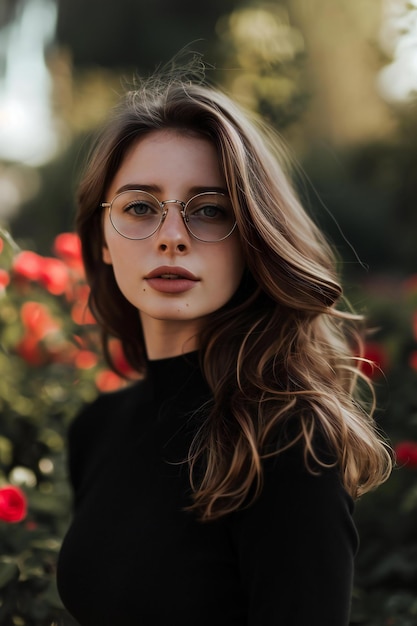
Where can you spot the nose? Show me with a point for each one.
(173, 235)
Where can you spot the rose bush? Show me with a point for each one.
(50, 364)
(386, 566)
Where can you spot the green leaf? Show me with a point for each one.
(8, 571)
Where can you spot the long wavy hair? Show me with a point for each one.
(278, 356)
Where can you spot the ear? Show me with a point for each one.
(105, 254)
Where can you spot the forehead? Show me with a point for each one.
(170, 160)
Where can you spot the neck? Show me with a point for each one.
(165, 339)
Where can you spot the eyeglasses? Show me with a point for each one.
(137, 214)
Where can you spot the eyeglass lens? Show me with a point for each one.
(138, 215)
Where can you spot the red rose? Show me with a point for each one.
(413, 359)
(375, 360)
(27, 265)
(54, 276)
(13, 506)
(67, 246)
(37, 319)
(406, 453)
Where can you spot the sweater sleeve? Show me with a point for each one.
(296, 546)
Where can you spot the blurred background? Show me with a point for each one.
(338, 79)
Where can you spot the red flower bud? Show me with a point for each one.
(406, 453)
(13, 505)
(85, 359)
(106, 380)
(4, 278)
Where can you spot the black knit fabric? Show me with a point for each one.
(134, 557)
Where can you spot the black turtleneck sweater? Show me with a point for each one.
(134, 557)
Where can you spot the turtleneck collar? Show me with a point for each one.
(172, 377)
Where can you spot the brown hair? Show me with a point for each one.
(280, 348)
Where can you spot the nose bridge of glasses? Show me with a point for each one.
(165, 210)
(182, 204)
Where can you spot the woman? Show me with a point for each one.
(218, 490)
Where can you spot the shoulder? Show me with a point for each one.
(300, 498)
(306, 482)
(313, 476)
(99, 414)
(96, 424)
(301, 504)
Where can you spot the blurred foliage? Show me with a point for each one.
(51, 209)
(136, 35)
(259, 40)
(364, 198)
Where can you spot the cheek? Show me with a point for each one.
(115, 251)
(231, 268)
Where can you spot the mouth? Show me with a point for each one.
(170, 276)
(171, 273)
(171, 281)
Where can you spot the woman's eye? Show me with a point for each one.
(209, 211)
(138, 208)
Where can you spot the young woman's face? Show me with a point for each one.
(173, 279)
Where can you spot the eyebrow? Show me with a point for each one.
(154, 189)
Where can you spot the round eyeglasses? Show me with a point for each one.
(137, 214)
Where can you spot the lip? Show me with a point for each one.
(184, 281)
(171, 269)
